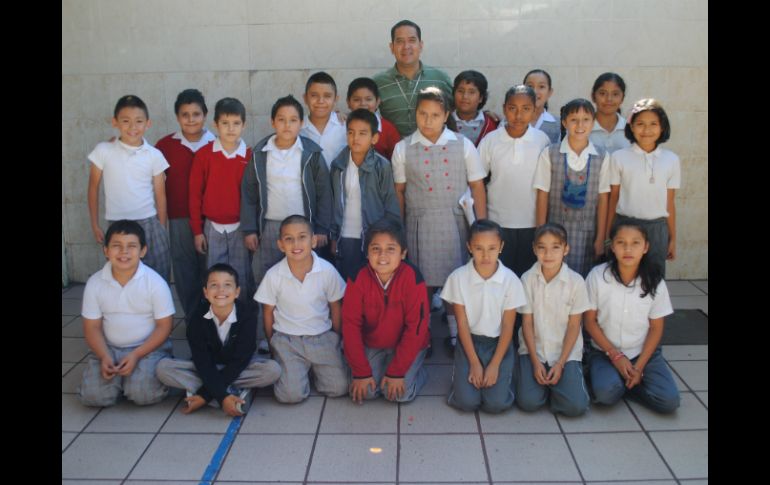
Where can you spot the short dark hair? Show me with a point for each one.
(287, 100)
(485, 225)
(190, 96)
(475, 78)
(363, 82)
(385, 226)
(552, 228)
(295, 219)
(363, 115)
(130, 101)
(649, 104)
(221, 268)
(124, 226)
(520, 89)
(405, 23)
(320, 77)
(229, 106)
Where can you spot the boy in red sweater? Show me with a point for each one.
(385, 320)
(363, 93)
(215, 193)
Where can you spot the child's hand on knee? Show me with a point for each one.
(540, 374)
(476, 375)
(395, 387)
(127, 364)
(359, 388)
(490, 375)
(108, 368)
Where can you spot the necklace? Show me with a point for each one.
(650, 162)
(411, 98)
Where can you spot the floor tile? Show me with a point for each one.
(127, 417)
(690, 415)
(695, 374)
(71, 307)
(204, 420)
(267, 415)
(66, 438)
(686, 452)
(439, 381)
(74, 328)
(75, 416)
(103, 456)
(530, 457)
(430, 414)
(177, 457)
(65, 319)
(74, 292)
(66, 367)
(268, 457)
(691, 302)
(517, 421)
(600, 418)
(354, 457)
(685, 352)
(702, 284)
(682, 288)
(441, 458)
(704, 396)
(73, 349)
(342, 415)
(617, 456)
(71, 381)
(181, 349)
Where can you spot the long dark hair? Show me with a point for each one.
(648, 272)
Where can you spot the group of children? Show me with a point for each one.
(315, 222)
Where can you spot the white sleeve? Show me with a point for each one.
(162, 301)
(527, 283)
(674, 181)
(398, 161)
(335, 286)
(159, 163)
(592, 287)
(91, 309)
(485, 154)
(473, 167)
(580, 300)
(266, 293)
(514, 294)
(604, 175)
(661, 304)
(543, 171)
(97, 156)
(615, 175)
(451, 292)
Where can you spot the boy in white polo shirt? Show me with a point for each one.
(297, 295)
(127, 315)
(134, 182)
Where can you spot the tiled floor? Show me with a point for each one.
(334, 441)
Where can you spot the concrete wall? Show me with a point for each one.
(260, 50)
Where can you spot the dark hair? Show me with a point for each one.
(649, 104)
(124, 226)
(648, 272)
(520, 89)
(478, 80)
(295, 219)
(384, 226)
(363, 82)
(288, 100)
(552, 228)
(190, 96)
(229, 106)
(539, 71)
(405, 23)
(365, 115)
(609, 76)
(432, 93)
(485, 225)
(573, 107)
(320, 77)
(221, 268)
(130, 101)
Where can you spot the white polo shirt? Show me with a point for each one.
(194, 146)
(352, 221)
(127, 173)
(301, 308)
(128, 312)
(575, 162)
(623, 316)
(284, 180)
(644, 180)
(610, 140)
(473, 168)
(223, 328)
(512, 161)
(332, 140)
(484, 300)
(551, 304)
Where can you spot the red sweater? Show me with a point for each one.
(398, 317)
(389, 136)
(180, 159)
(215, 187)
(488, 126)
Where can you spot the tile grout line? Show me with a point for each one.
(689, 389)
(569, 448)
(398, 442)
(483, 447)
(647, 434)
(315, 440)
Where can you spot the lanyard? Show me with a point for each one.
(411, 98)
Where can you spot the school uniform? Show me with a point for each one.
(551, 303)
(477, 128)
(389, 136)
(127, 172)
(624, 317)
(303, 339)
(573, 184)
(485, 301)
(550, 126)
(332, 140)
(644, 180)
(511, 198)
(187, 264)
(436, 175)
(128, 316)
(610, 141)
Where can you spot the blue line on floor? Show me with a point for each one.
(219, 455)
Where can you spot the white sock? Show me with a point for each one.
(452, 322)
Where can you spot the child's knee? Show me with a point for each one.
(99, 396)
(667, 403)
(144, 393)
(496, 406)
(609, 394)
(290, 394)
(571, 408)
(529, 403)
(464, 401)
(163, 370)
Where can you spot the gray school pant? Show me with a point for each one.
(142, 386)
(158, 256)
(229, 248)
(464, 396)
(267, 252)
(414, 380)
(569, 396)
(299, 354)
(188, 265)
(182, 374)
